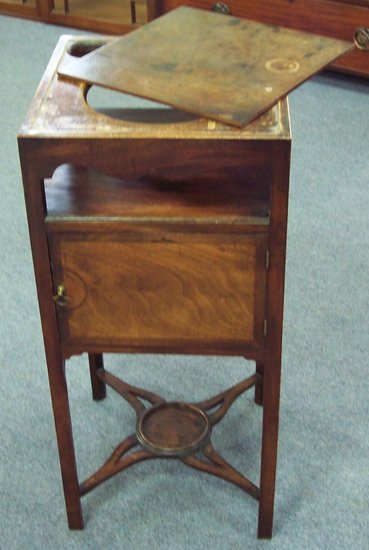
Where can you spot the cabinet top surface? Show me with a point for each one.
(224, 68)
(61, 109)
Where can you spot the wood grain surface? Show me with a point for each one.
(223, 68)
(160, 289)
(337, 19)
(166, 238)
(228, 196)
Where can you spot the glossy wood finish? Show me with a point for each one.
(179, 194)
(224, 68)
(273, 349)
(199, 319)
(329, 18)
(113, 17)
(193, 212)
(152, 289)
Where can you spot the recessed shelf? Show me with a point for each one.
(76, 192)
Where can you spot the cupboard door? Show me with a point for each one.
(170, 291)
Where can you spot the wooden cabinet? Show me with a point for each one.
(108, 16)
(345, 19)
(157, 231)
(134, 253)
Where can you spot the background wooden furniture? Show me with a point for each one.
(108, 16)
(348, 20)
(157, 237)
(345, 19)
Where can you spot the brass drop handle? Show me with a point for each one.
(220, 7)
(361, 38)
(61, 297)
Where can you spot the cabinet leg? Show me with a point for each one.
(271, 390)
(63, 425)
(96, 362)
(259, 384)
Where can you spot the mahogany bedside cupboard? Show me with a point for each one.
(157, 232)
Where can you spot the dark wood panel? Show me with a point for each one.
(233, 197)
(193, 289)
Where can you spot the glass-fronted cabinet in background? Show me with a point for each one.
(109, 16)
(124, 12)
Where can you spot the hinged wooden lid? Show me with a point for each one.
(220, 67)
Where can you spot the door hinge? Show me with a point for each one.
(267, 259)
(265, 327)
